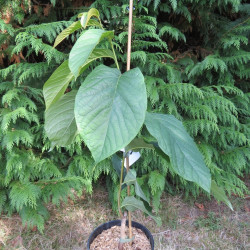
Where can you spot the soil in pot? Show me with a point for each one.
(109, 239)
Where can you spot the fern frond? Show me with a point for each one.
(156, 182)
(5, 86)
(156, 3)
(16, 137)
(179, 91)
(48, 30)
(202, 126)
(4, 27)
(173, 4)
(234, 40)
(26, 40)
(24, 194)
(240, 57)
(210, 62)
(183, 10)
(139, 55)
(32, 217)
(12, 116)
(198, 111)
(173, 32)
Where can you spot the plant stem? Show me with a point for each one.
(123, 227)
(116, 62)
(120, 188)
(129, 213)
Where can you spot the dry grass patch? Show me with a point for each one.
(185, 225)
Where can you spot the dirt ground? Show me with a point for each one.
(200, 224)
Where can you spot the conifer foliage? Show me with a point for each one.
(30, 176)
(195, 58)
(195, 55)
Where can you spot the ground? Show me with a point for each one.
(200, 224)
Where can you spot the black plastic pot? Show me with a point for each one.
(112, 223)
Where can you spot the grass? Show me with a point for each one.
(185, 226)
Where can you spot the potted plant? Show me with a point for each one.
(108, 111)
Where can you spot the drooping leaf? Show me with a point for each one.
(131, 179)
(131, 204)
(93, 22)
(86, 16)
(184, 155)
(96, 54)
(84, 47)
(110, 109)
(140, 193)
(220, 195)
(137, 144)
(56, 85)
(160, 152)
(83, 19)
(66, 32)
(60, 125)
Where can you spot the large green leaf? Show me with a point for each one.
(110, 109)
(84, 47)
(220, 195)
(60, 125)
(131, 204)
(184, 155)
(66, 32)
(58, 82)
(56, 85)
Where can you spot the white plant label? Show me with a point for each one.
(133, 157)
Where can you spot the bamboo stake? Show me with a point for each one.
(129, 33)
(131, 5)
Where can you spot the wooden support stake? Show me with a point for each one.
(131, 6)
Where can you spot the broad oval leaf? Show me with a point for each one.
(60, 125)
(84, 47)
(132, 204)
(66, 32)
(56, 85)
(184, 155)
(110, 109)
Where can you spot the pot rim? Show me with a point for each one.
(98, 230)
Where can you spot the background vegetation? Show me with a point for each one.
(195, 56)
